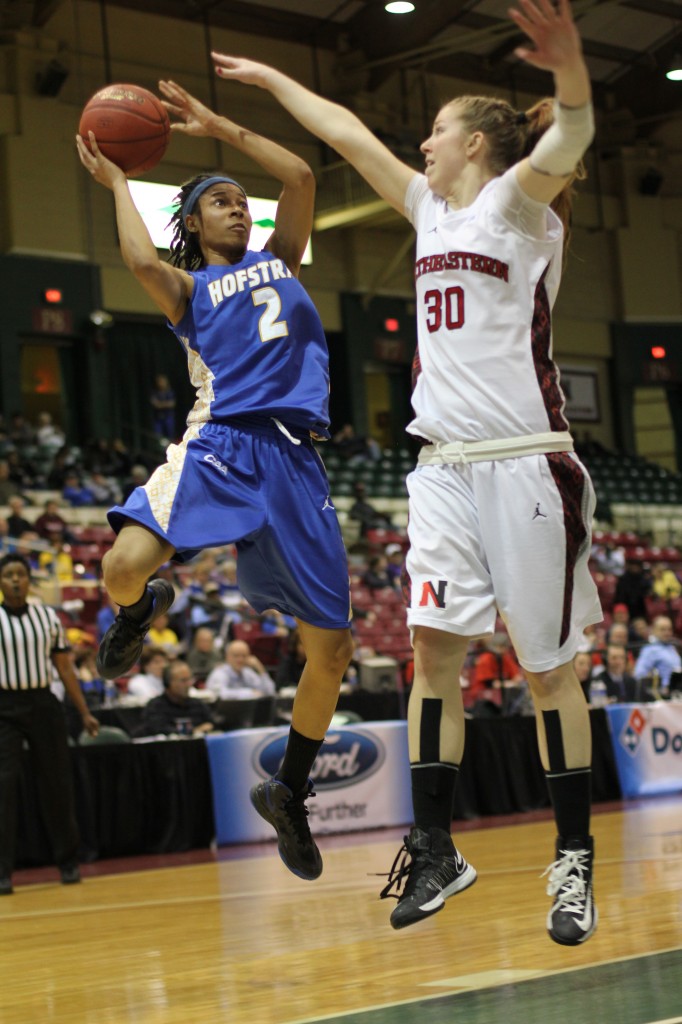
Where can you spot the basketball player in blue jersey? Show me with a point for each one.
(500, 507)
(245, 471)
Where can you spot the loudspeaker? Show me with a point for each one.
(50, 81)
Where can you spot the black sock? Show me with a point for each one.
(299, 758)
(433, 794)
(140, 611)
(571, 795)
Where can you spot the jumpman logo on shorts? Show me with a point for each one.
(327, 504)
(538, 513)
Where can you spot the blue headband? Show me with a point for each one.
(198, 190)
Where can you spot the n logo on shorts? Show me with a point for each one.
(429, 593)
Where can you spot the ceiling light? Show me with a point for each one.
(674, 72)
(399, 7)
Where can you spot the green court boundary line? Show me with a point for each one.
(469, 988)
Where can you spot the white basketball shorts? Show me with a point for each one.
(511, 535)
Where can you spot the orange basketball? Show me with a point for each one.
(130, 125)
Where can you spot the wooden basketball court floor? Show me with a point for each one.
(235, 937)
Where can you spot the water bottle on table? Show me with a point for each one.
(598, 695)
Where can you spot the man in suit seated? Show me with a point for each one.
(241, 675)
(175, 713)
(621, 686)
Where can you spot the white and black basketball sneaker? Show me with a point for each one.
(432, 869)
(573, 917)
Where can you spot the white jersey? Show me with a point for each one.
(485, 289)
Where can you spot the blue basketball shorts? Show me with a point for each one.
(252, 486)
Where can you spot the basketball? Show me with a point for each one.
(130, 125)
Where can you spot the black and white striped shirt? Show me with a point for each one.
(27, 639)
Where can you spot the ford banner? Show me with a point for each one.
(361, 777)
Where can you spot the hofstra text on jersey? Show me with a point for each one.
(247, 277)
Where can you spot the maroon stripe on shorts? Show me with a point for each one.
(416, 367)
(546, 371)
(570, 481)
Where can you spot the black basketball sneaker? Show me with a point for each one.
(122, 643)
(573, 917)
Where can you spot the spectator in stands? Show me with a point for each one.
(495, 668)
(241, 674)
(21, 469)
(29, 546)
(51, 523)
(620, 616)
(48, 435)
(162, 401)
(161, 635)
(641, 632)
(8, 488)
(664, 582)
(58, 559)
(5, 543)
(274, 623)
(633, 587)
(660, 657)
(75, 492)
(351, 448)
(292, 662)
(395, 562)
(62, 463)
(16, 520)
(176, 712)
(139, 475)
(148, 682)
(104, 490)
(582, 664)
(207, 609)
(607, 557)
(366, 514)
(21, 433)
(203, 657)
(621, 686)
(377, 576)
(105, 616)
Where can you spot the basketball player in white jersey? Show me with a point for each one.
(500, 507)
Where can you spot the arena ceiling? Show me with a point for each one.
(629, 44)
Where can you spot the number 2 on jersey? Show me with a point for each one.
(447, 305)
(269, 327)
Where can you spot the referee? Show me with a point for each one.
(31, 642)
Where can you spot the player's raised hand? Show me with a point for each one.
(192, 117)
(250, 72)
(103, 171)
(550, 27)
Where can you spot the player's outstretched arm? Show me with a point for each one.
(294, 219)
(556, 48)
(332, 123)
(167, 286)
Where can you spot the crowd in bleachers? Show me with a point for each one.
(230, 648)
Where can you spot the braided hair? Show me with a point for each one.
(185, 251)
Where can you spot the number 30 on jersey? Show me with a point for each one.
(444, 308)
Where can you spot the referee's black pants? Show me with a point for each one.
(37, 717)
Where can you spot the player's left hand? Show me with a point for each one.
(192, 117)
(552, 30)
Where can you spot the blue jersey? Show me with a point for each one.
(255, 346)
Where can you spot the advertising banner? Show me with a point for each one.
(361, 777)
(647, 743)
